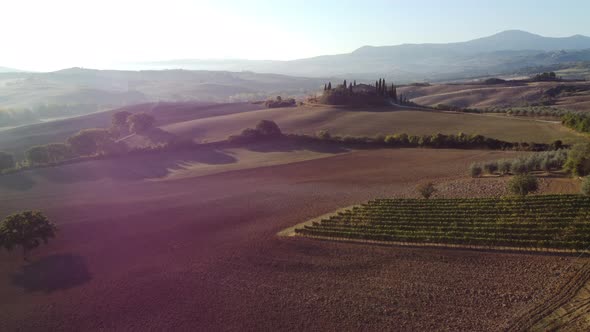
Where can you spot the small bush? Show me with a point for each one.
(475, 170)
(523, 184)
(426, 189)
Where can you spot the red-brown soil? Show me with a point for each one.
(201, 253)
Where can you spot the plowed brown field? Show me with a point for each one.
(201, 252)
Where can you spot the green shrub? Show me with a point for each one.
(523, 184)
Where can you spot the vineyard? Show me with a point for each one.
(535, 222)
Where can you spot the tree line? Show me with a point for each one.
(85, 143)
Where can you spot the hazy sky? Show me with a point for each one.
(50, 35)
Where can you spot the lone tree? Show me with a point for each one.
(426, 189)
(26, 230)
(523, 184)
(6, 160)
(586, 186)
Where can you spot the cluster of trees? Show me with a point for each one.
(382, 92)
(382, 89)
(578, 160)
(264, 130)
(540, 161)
(438, 140)
(26, 230)
(547, 76)
(577, 121)
(280, 102)
(93, 141)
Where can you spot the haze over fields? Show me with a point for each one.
(263, 165)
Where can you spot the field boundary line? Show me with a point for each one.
(290, 231)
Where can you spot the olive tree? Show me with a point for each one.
(426, 189)
(27, 230)
(475, 170)
(523, 184)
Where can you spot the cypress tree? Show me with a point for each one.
(394, 93)
(354, 84)
(345, 86)
(350, 88)
(329, 86)
(325, 87)
(376, 87)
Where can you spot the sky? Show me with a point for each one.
(44, 35)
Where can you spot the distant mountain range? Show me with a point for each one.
(497, 54)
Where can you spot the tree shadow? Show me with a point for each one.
(52, 273)
(151, 165)
(17, 181)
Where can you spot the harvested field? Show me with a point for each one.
(509, 94)
(373, 121)
(201, 252)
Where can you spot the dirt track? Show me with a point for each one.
(202, 253)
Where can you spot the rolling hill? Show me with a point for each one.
(27, 98)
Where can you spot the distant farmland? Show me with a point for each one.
(373, 121)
